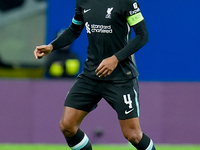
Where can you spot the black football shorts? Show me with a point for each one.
(123, 97)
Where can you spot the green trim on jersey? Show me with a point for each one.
(77, 22)
(134, 19)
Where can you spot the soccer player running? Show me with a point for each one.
(109, 71)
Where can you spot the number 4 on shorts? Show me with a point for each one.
(127, 100)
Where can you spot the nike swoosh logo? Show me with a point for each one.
(86, 10)
(127, 112)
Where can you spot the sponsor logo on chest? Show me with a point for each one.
(94, 28)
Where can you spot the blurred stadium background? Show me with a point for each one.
(31, 102)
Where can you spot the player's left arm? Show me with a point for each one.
(137, 22)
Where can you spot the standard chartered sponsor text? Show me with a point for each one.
(101, 28)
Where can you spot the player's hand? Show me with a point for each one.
(107, 66)
(42, 50)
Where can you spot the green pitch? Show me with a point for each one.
(95, 147)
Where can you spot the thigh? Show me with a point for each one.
(71, 120)
(72, 117)
(124, 98)
(83, 95)
(131, 129)
(129, 124)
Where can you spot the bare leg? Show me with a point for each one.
(131, 130)
(133, 133)
(69, 125)
(71, 120)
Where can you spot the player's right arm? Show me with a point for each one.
(66, 38)
(42, 50)
(72, 32)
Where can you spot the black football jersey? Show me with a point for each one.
(108, 26)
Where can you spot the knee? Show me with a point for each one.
(133, 136)
(67, 129)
